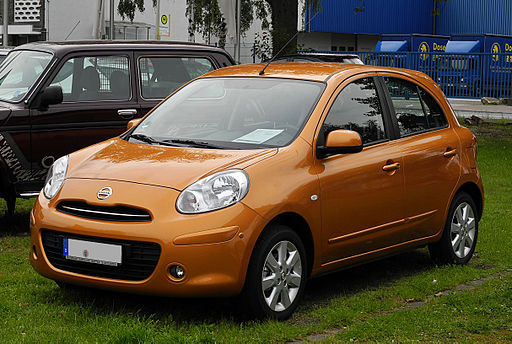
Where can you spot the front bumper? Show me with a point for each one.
(213, 248)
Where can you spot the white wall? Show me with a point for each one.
(63, 15)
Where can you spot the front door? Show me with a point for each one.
(98, 102)
(362, 194)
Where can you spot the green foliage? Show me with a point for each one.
(127, 8)
(205, 17)
(262, 46)
(359, 9)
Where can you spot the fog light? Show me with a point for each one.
(34, 252)
(177, 271)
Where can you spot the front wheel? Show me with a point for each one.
(277, 274)
(458, 242)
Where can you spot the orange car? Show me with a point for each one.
(252, 182)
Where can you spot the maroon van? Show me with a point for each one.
(56, 98)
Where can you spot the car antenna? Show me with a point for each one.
(284, 46)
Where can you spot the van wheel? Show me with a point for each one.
(458, 242)
(277, 274)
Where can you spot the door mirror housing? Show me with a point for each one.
(133, 123)
(340, 142)
(49, 96)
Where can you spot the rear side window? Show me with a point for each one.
(161, 75)
(435, 116)
(357, 107)
(416, 111)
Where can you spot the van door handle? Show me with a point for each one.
(450, 153)
(391, 167)
(127, 113)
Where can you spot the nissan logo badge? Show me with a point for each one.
(105, 192)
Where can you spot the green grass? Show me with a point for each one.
(368, 302)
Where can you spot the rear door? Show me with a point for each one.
(431, 154)
(98, 102)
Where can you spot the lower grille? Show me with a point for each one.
(106, 213)
(139, 258)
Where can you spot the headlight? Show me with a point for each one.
(55, 177)
(214, 192)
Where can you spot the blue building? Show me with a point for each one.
(337, 27)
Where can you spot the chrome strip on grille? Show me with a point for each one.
(120, 213)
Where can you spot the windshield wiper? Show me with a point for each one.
(192, 143)
(144, 138)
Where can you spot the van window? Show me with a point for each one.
(161, 75)
(357, 108)
(94, 78)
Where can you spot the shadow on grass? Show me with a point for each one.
(319, 293)
(15, 225)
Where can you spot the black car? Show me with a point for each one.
(56, 98)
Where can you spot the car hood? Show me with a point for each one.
(174, 167)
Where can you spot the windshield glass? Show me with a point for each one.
(19, 72)
(232, 113)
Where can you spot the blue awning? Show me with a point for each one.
(462, 47)
(391, 46)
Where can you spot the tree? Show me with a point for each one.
(205, 17)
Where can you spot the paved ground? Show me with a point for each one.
(474, 107)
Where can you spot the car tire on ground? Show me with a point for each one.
(460, 234)
(277, 274)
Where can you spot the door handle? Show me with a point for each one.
(450, 153)
(127, 113)
(391, 167)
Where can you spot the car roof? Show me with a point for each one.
(67, 46)
(314, 71)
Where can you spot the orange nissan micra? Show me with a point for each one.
(250, 182)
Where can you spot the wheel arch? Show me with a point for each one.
(474, 191)
(300, 226)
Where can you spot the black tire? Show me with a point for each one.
(283, 282)
(454, 246)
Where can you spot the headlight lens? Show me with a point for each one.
(55, 177)
(214, 192)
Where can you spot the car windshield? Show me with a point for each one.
(232, 113)
(19, 72)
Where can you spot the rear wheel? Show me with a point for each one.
(458, 242)
(277, 274)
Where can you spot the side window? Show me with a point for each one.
(415, 109)
(161, 75)
(435, 116)
(94, 78)
(407, 104)
(357, 108)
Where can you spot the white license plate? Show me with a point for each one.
(91, 252)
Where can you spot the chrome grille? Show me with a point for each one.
(119, 213)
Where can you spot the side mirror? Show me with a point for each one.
(49, 96)
(340, 142)
(133, 123)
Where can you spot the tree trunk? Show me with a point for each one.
(284, 25)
